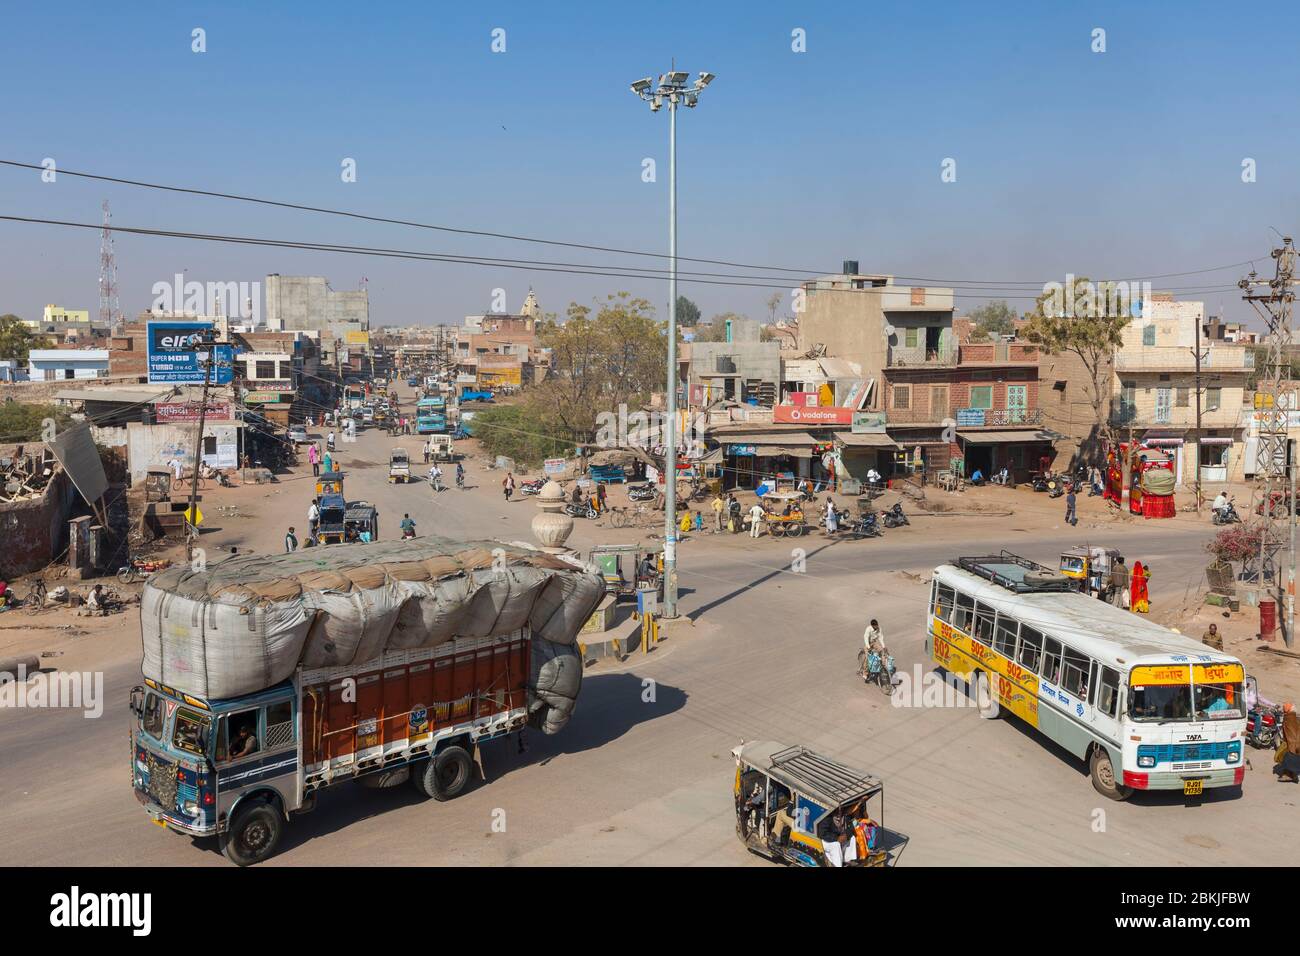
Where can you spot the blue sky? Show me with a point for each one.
(1120, 164)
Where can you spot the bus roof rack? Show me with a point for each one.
(1015, 573)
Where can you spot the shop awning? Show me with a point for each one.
(774, 451)
(866, 440)
(1211, 440)
(1028, 435)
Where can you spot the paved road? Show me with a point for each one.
(642, 775)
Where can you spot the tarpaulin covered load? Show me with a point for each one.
(246, 623)
(1158, 481)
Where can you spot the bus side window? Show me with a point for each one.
(984, 617)
(943, 603)
(1004, 640)
(1108, 692)
(1074, 676)
(1051, 660)
(963, 612)
(1031, 648)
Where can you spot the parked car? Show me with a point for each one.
(298, 435)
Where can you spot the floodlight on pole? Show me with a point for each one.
(673, 90)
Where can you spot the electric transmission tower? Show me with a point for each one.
(110, 312)
(1272, 299)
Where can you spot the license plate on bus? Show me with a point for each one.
(1193, 788)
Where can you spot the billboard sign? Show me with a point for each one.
(173, 359)
(868, 423)
(796, 415)
(189, 411)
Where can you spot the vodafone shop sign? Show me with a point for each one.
(804, 415)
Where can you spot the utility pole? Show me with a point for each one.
(204, 347)
(1196, 463)
(1272, 410)
(673, 91)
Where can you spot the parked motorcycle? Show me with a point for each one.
(1263, 721)
(894, 517)
(531, 487)
(644, 492)
(140, 568)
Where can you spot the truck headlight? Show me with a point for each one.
(1147, 761)
(1233, 756)
(190, 808)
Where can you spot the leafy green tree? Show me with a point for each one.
(22, 422)
(992, 319)
(16, 340)
(519, 432)
(688, 313)
(1091, 327)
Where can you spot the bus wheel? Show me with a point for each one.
(445, 775)
(988, 705)
(1103, 776)
(254, 834)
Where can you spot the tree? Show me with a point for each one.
(16, 340)
(688, 313)
(992, 319)
(1089, 324)
(21, 422)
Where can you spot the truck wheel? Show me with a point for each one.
(445, 775)
(254, 835)
(1103, 776)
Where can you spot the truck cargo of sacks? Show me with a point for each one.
(246, 623)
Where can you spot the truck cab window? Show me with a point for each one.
(191, 732)
(241, 732)
(153, 716)
(279, 724)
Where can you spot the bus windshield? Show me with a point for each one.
(1219, 701)
(1161, 702)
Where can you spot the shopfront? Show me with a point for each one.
(1021, 452)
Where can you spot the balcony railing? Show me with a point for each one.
(917, 356)
(966, 416)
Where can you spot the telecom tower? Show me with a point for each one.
(1272, 299)
(110, 312)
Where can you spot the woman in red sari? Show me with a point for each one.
(1139, 601)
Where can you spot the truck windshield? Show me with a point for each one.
(1219, 701)
(191, 732)
(152, 723)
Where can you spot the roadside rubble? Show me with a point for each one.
(25, 476)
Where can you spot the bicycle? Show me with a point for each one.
(36, 599)
(875, 671)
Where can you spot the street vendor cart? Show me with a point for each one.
(783, 513)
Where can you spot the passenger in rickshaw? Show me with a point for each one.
(838, 839)
(782, 821)
(350, 532)
(753, 809)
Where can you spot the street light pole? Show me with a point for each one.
(671, 89)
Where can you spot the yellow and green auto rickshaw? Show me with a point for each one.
(797, 807)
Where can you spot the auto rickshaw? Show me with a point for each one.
(331, 526)
(329, 483)
(360, 522)
(788, 801)
(781, 524)
(1091, 567)
(620, 579)
(399, 466)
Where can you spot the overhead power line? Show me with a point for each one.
(458, 230)
(604, 271)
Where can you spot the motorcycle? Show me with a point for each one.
(873, 670)
(140, 568)
(435, 482)
(1226, 515)
(460, 480)
(894, 517)
(408, 534)
(867, 526)
(842, 519)
(1263, 721)
(582, 510)
(531, 487)
(644, 492)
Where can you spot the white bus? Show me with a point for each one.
(1146, 707)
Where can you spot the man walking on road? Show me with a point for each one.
(313, 519)
(1070, 517)
(290, 541)
(508, 484)
(718, 507)
(755, 520)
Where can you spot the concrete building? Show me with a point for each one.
(11, 371)
(746, 372)
(982, 407)
(307, 303)
(50, 365)
(868, 320)
(1155, 392)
